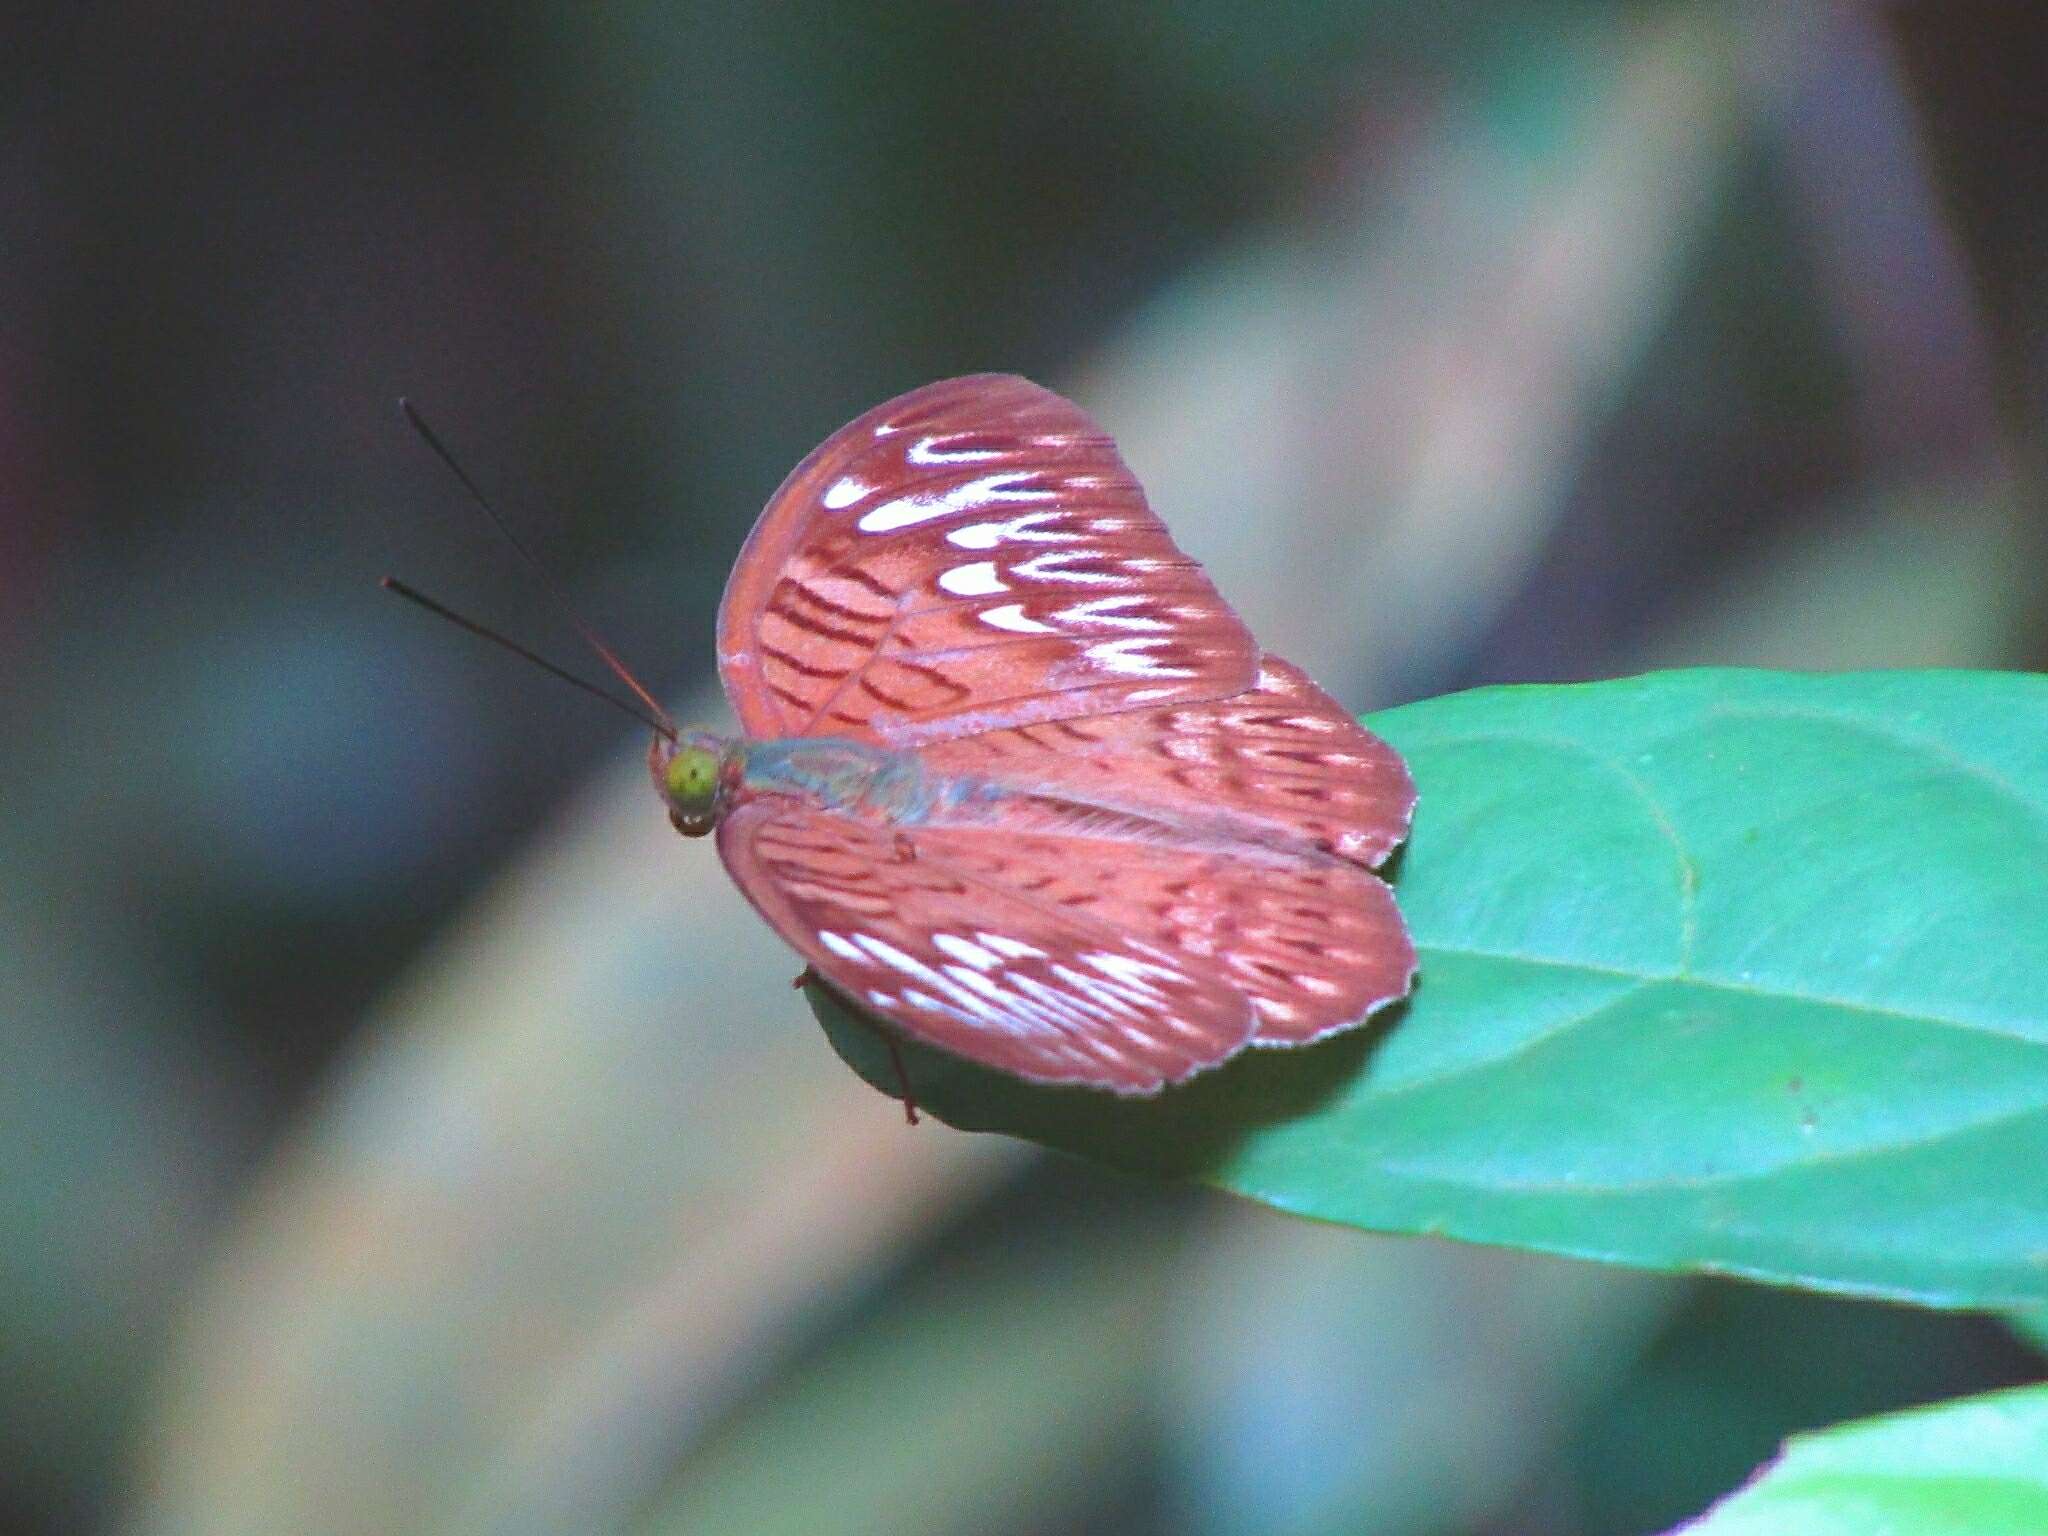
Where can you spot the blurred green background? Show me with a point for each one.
(401, 1131)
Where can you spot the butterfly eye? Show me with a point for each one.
(692, 780)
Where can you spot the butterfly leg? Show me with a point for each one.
(804, 978)
(902, 1078)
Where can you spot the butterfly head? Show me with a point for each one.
(696, 774)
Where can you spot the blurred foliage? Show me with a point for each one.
(1026, 1421)
(1466, 343)
(1734, 1367)
(1975, 1466)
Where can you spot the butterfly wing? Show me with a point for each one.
(1218, 853)
(1313, 944)
(1281, 763)
(961, 949)
(1071, 959)
(1245, 831)
(972, 555)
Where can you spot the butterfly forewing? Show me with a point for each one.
(956, 949)
(970, 556)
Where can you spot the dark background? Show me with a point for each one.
(1465, 342)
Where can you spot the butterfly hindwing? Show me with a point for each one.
(1313, 944)
(1242, 832)
(965, 957)
(1073, 959)
(1280, 763)
(972, 555)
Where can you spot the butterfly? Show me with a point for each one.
(1016, 780)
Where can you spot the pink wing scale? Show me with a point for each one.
(969, 556)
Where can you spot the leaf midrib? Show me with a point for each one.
(1723, 984)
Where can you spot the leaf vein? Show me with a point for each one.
(2017, 1034)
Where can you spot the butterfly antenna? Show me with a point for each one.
(661, 727)
(619, 669)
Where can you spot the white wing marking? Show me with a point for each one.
(844, 492)
(970, 953)
(922, 507)
(976, 580)
(1127, 658)
(926, 450)
(1010, 616)
(1016, 530)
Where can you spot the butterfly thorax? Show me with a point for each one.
(851, 777)
(703, 778)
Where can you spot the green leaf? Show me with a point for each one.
(1976, 1467)
(1733, 971)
